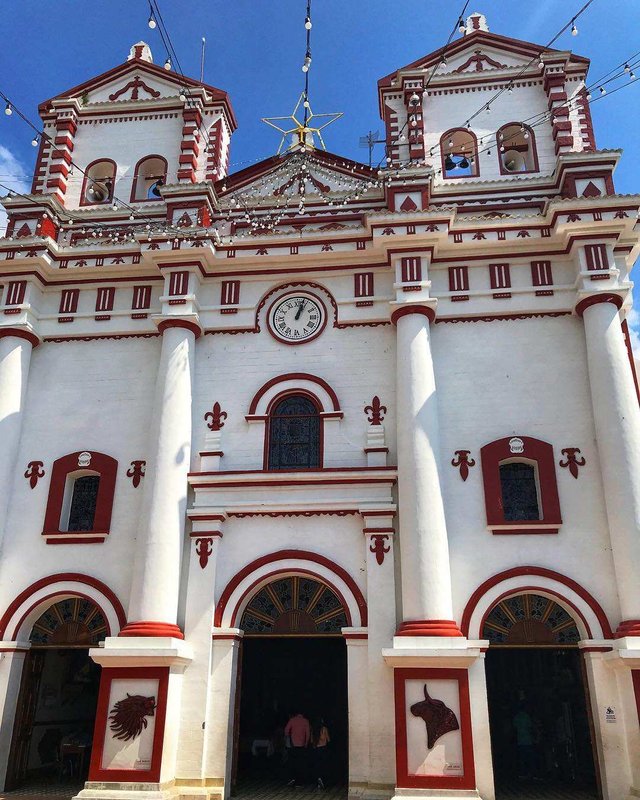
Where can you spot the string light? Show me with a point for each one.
(8, 110)
(574, 30)
(307, 23)
(152, 21)
(167, 63)
(34, 141)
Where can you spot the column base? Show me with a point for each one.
(144, 628)
(628, 627)
(96, 790)
(435, 794)
(429, 627)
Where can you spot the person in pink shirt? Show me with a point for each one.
(298, 730)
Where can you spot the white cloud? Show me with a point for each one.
(12, 176)
(634, 331)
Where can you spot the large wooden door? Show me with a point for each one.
(25, 714)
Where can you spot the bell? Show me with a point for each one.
(449, 164)
(463, 164)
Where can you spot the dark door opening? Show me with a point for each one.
(281, 676)
(540, 730)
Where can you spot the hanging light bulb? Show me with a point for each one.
(183, 95)
(450, 142)
(307, 63)
(632, 75)
(510, 87)
(541, 63)
(167, 63)
(34, 141)
(8, 110)
(307, 23)
(574, 30)
(461, 26)
(114, 206)
(489, 108)
(152, 21)
(627, 68)
(602, 90)
(588, 95)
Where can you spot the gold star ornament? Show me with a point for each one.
(301, 135)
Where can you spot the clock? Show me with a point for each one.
(297, 318)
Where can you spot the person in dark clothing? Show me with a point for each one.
(320, 739)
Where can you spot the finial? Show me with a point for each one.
(142, 51)
(476, 22)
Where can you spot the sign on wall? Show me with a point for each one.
(129, 724)
(434, 745)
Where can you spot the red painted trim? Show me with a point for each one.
(629, 627)
(355, 635)
(109, 674)
(635, 677)
(429, 627)
(180, 323)
(602, 297)
(525, 590)
(75, 577)
(404, 779)
(532, 145)
(144, 628)
(283, 555)
(535, 451)
(136, 173)
(20, 334)
(86, 178)
(426, 311)
(100, 464)
(498, 317)
(541, 572)
(57, 596)
(294, 376)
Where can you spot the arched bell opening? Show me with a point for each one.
(539, 711)
(56, 708)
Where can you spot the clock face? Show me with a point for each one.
(297, 318)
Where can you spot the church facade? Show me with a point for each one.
(314, 436)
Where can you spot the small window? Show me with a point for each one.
(459, 151)
(84, 500)
(516, 149)
(150, 174)
(519, 491)
(98, 182)
(294, 434)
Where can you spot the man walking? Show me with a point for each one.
(299, 732)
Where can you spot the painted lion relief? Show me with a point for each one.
(129, 716)
(438, 717)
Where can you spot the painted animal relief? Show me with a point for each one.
(438, 717)
(128, 717)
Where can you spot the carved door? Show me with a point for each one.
(25, 714)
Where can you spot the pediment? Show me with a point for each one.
(135, 84)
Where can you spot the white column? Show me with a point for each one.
(153, 606)
(15, 357)
(358, 699)
(424, 548)
(617, 422)
(12, 660)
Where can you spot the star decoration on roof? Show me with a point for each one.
(301, 133)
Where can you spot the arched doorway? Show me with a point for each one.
(538, 709)
(56, 708)
(293, 661)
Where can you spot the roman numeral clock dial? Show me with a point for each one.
(297, 318)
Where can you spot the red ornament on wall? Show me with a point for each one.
(573, 462)
(375, 411)
(136, 472)
(463, 462)
(33, 472)
(204, 548)
(378, 546)
(217, 416)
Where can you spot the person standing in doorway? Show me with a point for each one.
(299, 730)
(320, 740)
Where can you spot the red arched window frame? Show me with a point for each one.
(66, 468)
(88, 177)
(445, 150)
(531, 451)
(136, 173)
(267, 438)
(532, 146)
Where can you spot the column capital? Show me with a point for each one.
(191, 324)
(594, 299)
(427, 310)
(21, 333)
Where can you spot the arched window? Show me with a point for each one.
(519, 491)
(149, 175)
(99, 179)
(459, 152)
(294, 434)
(516, 149)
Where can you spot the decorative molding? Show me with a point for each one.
(379, 547)
(217, 416)
(136, 472)
(573, 462)
(33, 472)
(463, 462)
(376, 411)
(204, 549)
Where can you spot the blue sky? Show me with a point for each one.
(255, 50)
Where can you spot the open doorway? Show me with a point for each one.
(56, 708)
(294, 660)
(538, 711)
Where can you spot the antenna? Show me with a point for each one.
(204, 44)
(370, 140)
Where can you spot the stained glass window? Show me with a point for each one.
(74, 620)
(519, 491)
(83, 503)
(530, 619)
(294, 434)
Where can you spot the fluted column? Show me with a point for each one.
(15, 357)
(154, 594)
(424, 548)
(617, 421)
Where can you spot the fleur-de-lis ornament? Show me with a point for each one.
(136, 472)
(375, 411)
(217, 415)
(573, 462)
(463, 462)
(33, 472)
